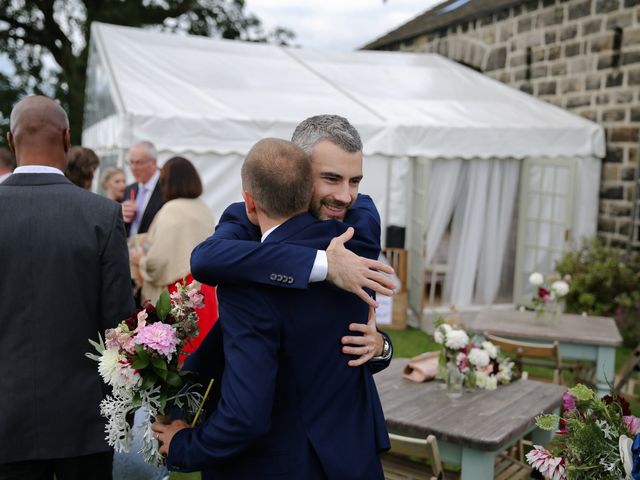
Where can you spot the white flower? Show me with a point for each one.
(125, 377)
(441, 332)
(456, 339)
(561, 288)
(490, 348)
(486, 382)
(536, 279)
(108, 364)
(479, 358)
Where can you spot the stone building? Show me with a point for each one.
(582, 55)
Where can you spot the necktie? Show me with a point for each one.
(142, 194)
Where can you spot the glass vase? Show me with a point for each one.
(455, 380)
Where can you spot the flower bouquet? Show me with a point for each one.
(549, 293)
(592, 441)
(139, 360)
(480, 364)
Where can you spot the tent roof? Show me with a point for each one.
(199, 94)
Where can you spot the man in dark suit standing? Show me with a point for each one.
(64, 278)
(143, 199)
(290, 405)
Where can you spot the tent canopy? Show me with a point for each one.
(197, 94)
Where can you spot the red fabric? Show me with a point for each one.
(207, 316)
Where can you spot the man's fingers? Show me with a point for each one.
(371, 320)
(376, 287)
(363, 351)
(364, 296)
(383, 267)
(358, 361)
(359, 340)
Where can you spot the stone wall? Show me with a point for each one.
(583, 55)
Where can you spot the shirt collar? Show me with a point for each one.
(37, 169)
(268, 232)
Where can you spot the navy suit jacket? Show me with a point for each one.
(291, 407)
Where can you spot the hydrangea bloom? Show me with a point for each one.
(159, 337)
(485, 381)
(456, 339)
(490, 348)
(441, 332)
(479, 357)
(536, 279)
(561, 288)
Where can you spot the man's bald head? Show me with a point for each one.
(39, 132)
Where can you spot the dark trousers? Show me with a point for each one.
(87, 467)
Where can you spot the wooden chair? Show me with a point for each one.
(624, 383)
(546, 355)
(398, 465)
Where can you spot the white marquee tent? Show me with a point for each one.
(446, 148)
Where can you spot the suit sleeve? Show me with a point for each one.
(115, 297)
(378, 364)
(243, 415)
(365, 220)
(234, 253)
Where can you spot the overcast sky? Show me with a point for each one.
(337, 24)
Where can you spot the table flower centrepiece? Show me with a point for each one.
(139, 361)
(480, 363)
(592, 441)
(548, 293)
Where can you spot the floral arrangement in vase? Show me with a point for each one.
(593, 439)
(479, 363)
(548, 293)
(139, 361)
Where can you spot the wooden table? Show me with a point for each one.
(473, 429)
(581, 337)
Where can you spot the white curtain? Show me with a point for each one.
(501, 196)
(481, 194)
(443, 191)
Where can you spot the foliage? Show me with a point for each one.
(47, 41)
(587, 445)
(605, 281)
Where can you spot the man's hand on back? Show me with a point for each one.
(352, 273)
(368, 345)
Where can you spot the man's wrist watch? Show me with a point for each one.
(385, 348)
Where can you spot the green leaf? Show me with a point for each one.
(159, 367)
(163, 305)
(149, 379)
(174, 379)
(142, 358)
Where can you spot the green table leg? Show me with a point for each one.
(477, 465)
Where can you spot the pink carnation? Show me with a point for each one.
(632, 423)
(159, 337)
(568, 402)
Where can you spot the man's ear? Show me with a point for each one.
(249, 203)
(10, 142)
(66, 139)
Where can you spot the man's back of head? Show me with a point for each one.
(333, 128)
(277, 174)
(39, 133)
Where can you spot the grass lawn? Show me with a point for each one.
(411, 342)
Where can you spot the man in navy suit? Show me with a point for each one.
(290, 406)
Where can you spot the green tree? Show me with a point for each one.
(47, 40)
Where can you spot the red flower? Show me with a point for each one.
(543, 294)
(624, 405)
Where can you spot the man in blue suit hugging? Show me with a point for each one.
(290, 406)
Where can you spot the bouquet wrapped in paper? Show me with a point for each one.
(139, 360)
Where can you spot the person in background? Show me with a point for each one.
(64, 278)
(182, 223)
(82, 163)
(142, 199)
(6, 164)
(113, 182)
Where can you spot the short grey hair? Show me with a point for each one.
(334, 128)
(149, 148)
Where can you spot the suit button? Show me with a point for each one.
(290, 280)
(273, 276)
(279, 277)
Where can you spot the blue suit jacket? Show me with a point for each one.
(291, 407)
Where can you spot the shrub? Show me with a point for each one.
(604, 281)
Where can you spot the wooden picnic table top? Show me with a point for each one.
(568, 328)
(482, 419)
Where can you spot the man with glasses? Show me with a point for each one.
(143, 199)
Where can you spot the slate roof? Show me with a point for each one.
(439, 17)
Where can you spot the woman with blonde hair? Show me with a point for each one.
(113, 181)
